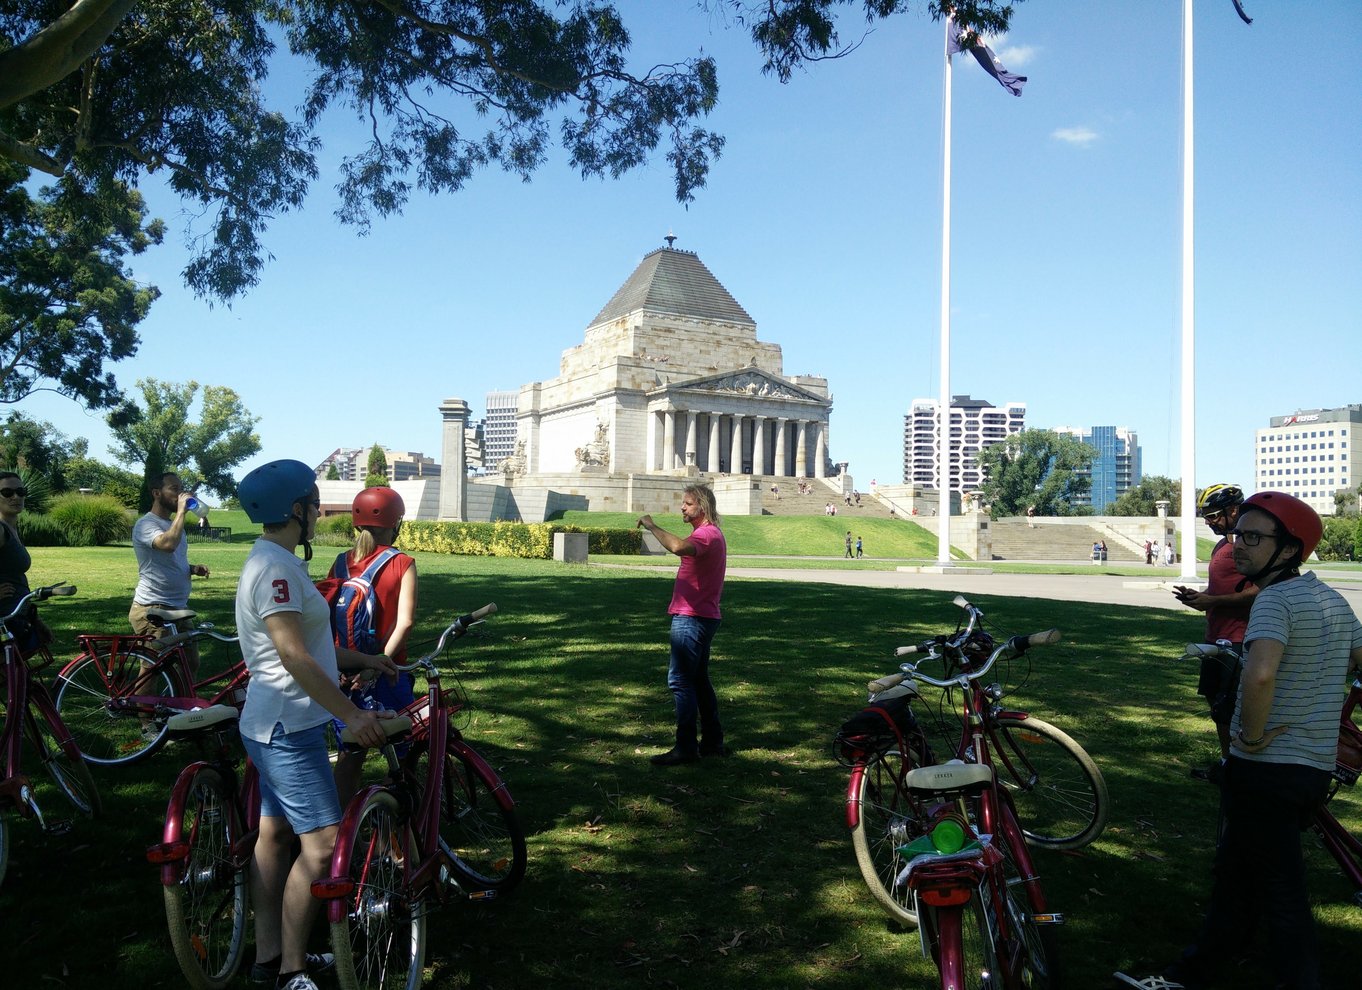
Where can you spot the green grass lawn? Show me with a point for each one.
(728, 873)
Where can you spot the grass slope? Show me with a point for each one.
(728, 873)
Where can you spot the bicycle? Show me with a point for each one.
(1342, 845)
(118, 693)
(441, 825)
(31, 713)
(966, 874)
(1055, 787)
(212, 822)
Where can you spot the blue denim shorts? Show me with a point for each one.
(296, 782)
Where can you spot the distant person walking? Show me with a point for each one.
(858, 548)
(848, 543)
(695, 616)
(1148, 552)
(1031, 516)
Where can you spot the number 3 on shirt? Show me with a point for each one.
(280, 591)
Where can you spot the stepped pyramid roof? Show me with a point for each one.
(676, 282)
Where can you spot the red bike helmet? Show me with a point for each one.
(1295, 517)
(378, 506)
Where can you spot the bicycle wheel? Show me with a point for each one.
(887, 818)
(63, 763)
(206, 911)
(1057, 789)
(960, 941)
(107, 736)
(380, 944)
(484, 839)
(1028, 949)
(4, 847)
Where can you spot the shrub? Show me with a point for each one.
(335, 531)
(91, 520)
(1340, 532)
(40, 531)
(508, 539)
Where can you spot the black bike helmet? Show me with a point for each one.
(1218, 498)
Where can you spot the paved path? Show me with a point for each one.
(1106, 588)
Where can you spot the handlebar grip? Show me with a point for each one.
(390, 727)
(1046, 638)
(482, 613)
(62, 589)
(961, 601)
(885, 683)
(904, 651)
(1204, 650)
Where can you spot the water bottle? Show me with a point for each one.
(191, 504)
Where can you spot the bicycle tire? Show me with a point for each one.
(107, 737)
(4, 846)
(484, 839)
(62, 761)
(206, 910)
(1058, 790)
(886, 819)
(380, 944)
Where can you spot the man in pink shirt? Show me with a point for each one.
(695, 619)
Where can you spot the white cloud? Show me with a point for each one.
(1080, 136)
(1016, 57)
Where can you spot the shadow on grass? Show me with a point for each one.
(730, 872)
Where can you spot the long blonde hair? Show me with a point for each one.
(705, 496)
(366, 542)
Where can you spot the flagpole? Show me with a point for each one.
(943, 409)
(1187, 406)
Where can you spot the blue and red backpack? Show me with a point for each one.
(354, 606)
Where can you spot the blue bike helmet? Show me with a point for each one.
(269, 492)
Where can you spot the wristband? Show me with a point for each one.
(1251, 742)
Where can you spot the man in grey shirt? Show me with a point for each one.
(163, 567)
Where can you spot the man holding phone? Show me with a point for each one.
(1226, 601)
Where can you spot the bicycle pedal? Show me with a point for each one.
(1052, 918)
(482, 895)
(59, 827)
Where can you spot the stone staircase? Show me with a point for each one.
(791, 503)
(1069, 540)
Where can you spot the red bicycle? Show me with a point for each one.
(1341, 844)
(957, 858)
(31, 713)
(118, 693)
(442, 825)
(211, 825)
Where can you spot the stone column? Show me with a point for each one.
(780, 447)
(801, 448)
(759, 445)
(690, 437)
(820, 450)
(453, 470)
(713, 443)
(669, 441)
(735, 447)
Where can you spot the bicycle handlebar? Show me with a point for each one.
(457, 628)
(41, 595)
(1013, 647)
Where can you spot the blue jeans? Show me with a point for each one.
(688, 678)
(1259, 895)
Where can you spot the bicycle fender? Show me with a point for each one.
(854, 788)
(173, 830)
(458, 747)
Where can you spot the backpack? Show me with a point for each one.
(353, 603)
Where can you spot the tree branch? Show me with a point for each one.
(58, 49)
(29, 156)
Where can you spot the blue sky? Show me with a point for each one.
(823, 220)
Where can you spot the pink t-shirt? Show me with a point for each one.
(700, 579)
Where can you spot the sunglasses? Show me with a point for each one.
(11, 492)
(1211, 517)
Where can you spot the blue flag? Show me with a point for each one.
(1012, 83)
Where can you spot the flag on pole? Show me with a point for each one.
(1010, 82)
(1239, 8)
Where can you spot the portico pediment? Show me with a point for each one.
(752, 382)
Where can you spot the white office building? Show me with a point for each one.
(975, 424)
(1310, 454)
(499, 428)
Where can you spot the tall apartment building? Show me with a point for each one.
(350, 462)
(1310, 454)
(499, 428)
(974, 425)
(1116, 467)
(404, 464)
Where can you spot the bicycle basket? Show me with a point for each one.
(888, 724)
(39, 658)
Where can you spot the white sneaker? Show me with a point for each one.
(1149, 982)
(300, 982)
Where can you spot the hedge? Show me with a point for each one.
(508, 539)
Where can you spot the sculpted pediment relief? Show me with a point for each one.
(750, 382)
